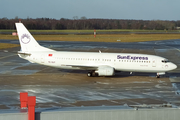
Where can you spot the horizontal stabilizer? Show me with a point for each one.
(24, 53)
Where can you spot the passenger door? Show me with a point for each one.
(154, 63)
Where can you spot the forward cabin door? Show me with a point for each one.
(154, 63)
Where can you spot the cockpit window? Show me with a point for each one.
(165, 61)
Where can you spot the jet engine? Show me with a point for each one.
(105, 71)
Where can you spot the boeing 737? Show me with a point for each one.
(97, 63)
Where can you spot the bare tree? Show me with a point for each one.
(83, 18)
(75, 17)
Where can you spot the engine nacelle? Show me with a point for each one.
(105, 71)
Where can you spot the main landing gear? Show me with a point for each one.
(91, 74)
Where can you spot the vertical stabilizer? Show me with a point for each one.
(27, 41)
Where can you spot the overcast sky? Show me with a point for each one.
(110, 9)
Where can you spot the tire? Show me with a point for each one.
(157, 76)
(93, 74)
(89, 74)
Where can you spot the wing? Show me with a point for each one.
(83, 67)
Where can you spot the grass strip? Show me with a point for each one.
(7, 45)
(102, 38)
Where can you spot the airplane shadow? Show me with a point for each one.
(123, 74)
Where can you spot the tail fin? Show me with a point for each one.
(27, 41)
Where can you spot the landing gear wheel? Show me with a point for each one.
(89, 74)
(158, 76)
(93, 74)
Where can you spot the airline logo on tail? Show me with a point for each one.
(25, 38)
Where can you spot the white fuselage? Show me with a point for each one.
(103, 64)
(118, 61)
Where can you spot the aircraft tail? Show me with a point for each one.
(27, 41)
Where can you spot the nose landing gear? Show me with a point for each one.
(158, 74)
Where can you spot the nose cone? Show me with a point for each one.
(173, 66)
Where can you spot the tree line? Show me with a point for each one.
(83, 23)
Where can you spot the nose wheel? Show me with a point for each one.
(160, 73)
(157, 76)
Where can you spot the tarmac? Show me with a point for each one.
(70, 88)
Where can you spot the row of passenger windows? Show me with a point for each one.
(78, 59)
(134, 61)
(106, 60)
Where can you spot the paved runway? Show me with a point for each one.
(57, 88)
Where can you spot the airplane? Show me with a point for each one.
(97, 63)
